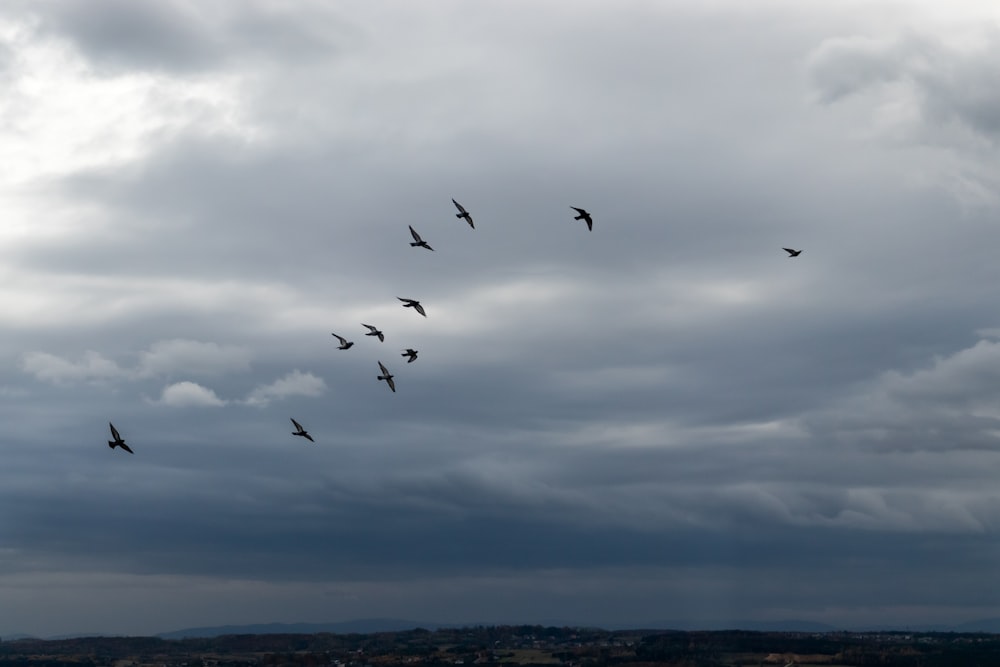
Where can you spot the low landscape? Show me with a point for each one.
(515, 645)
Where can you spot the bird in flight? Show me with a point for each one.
(301, 431)
(792, 253)
(585, 217)
(417, 241)
(117, 442)
(411, 353)
(462, 213)
(387, 376)
(415, 305)
(372, 331)
(344, 343)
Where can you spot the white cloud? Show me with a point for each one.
(189, 394)
(190, 356)
(295, 383)
(57, 370)
(163, 358)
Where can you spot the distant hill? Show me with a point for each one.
(361, 626)
(369, 625)
(991, 625)
(688, 625)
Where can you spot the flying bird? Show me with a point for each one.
(585, 217)
(301, 431)
(415, 305)
(792, 253)
(463, 213)
(411, 353)
(117, 442)
(372, 331)
(344, 343)
(417, 241)
(387, 376)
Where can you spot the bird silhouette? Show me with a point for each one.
(372, 331)
(463, 214)
(585, 217)
(415, 305)
(411, 353)
(387, 376)
(792, 253)
(118, 442)
(344, 343)
(301, 431)
(417, 241)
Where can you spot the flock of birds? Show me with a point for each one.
(409, 353)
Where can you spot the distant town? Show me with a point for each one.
(516, 645)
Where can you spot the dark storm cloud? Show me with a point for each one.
(664, 414)
(453, 522)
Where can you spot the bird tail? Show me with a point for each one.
(111, 444)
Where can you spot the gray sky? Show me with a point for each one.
(663, 418)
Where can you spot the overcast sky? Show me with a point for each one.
(666, 417)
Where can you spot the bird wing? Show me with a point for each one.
(307, 437)
(790, 251)
(392, 385)
(126, 448)
(579, 210)
(382, 367)
(370, 327)
(408, 302)
(114, 432)
(343, 341)
(413, 233)
(459, 206)
(297, 425)
(419, 308)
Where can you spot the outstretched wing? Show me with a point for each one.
(343, 341)
(307, 437)
(391, 383)
(579, 210)
(459, 206)
(382, 368)
(370, 327)
(413, 233)
(298, 426)
(419, 308)
(126, 448)
(114, 432)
